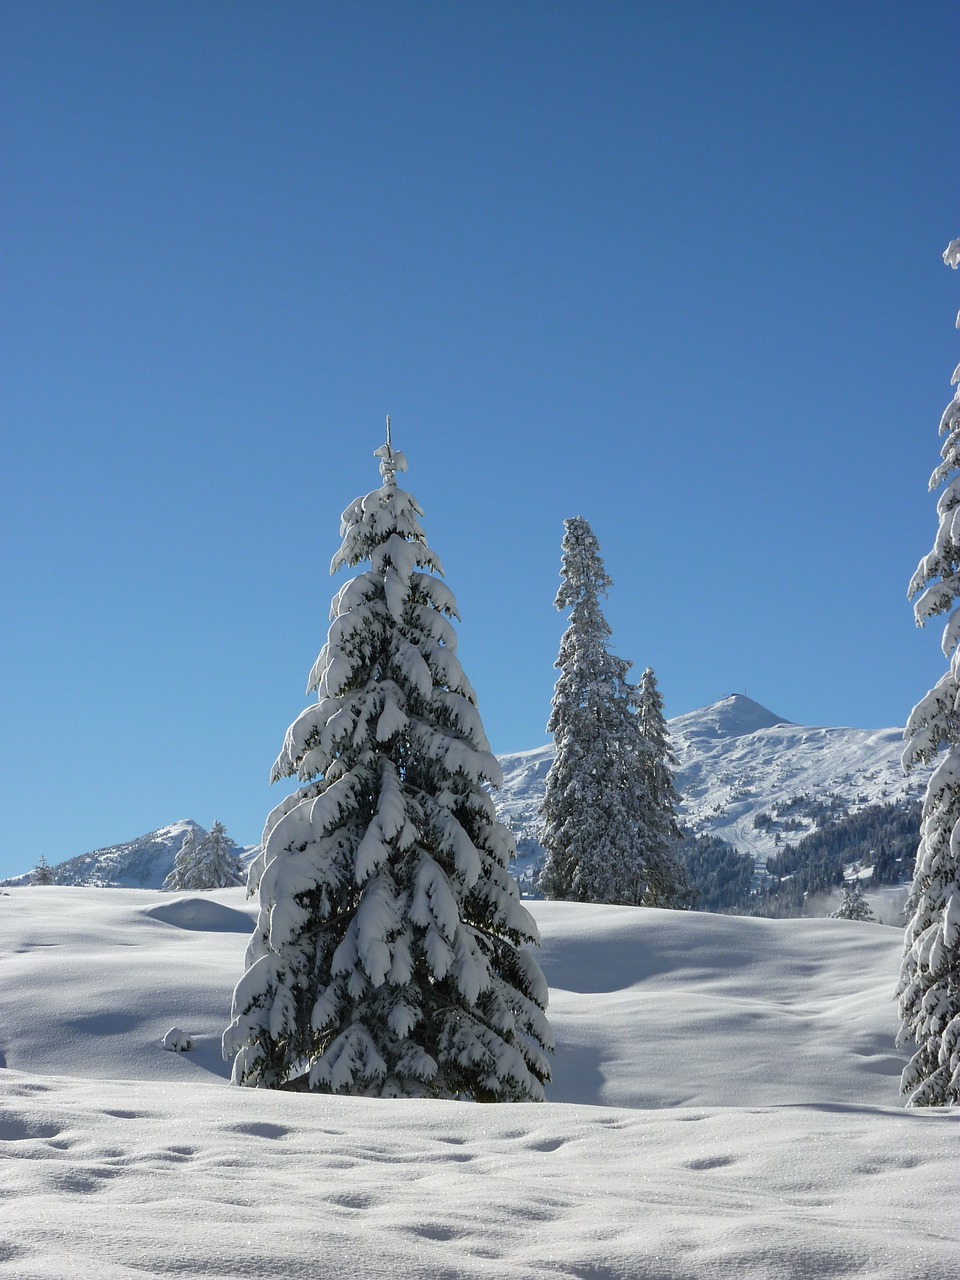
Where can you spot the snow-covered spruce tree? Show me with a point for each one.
(929, 987)
(216, 865)
(668, 881)
(183, 874)
(390, 956)
(598, 811)
(42, 872)
(853, 904)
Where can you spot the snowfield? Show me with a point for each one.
(725, 1104)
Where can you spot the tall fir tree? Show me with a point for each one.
(391, 952)
(598, 813)
(183, 873)
(216, 865)
(929, 988)
(668, 883)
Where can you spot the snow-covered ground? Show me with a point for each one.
(725, 1105)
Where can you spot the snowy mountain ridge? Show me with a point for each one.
(745, 775)
(141, 863)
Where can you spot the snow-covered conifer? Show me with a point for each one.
(929, 987)
(390, 956)
(210, 864)
(42, 873)
(853, 903)
(183, 874)
(216, 865)
(600, 829)
(668, 882)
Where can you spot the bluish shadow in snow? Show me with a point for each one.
(896, 1109)
(594, 965)
(207, 1056)
(106, 1022)
(576, 1075)
(202, 914)
(628, 957)
(884, 1066)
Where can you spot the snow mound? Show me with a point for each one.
(662, 1009)
(177, 1041)
(202, 913)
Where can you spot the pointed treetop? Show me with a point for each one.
(390, 461)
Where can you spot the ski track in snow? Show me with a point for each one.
(725, 1105)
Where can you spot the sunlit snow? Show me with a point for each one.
(724, 1105)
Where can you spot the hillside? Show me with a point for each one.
(142, 863)
(746, 776)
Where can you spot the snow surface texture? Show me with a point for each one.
(737, 760)
(724, 1105)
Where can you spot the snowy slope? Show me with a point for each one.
(737, 760)
(725, 1106)
(143, 863)
(731, 771)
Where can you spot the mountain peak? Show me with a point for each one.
(731, 717)
(142, 863)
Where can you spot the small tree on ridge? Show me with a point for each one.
(211, 864)
(183, 873)
(853, 903)
(217, 864)
(42, 873)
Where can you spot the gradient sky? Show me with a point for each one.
(671, 266)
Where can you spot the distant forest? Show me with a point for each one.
(882, 836)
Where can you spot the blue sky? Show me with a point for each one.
(674, 267)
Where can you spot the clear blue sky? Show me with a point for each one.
(671, 266)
